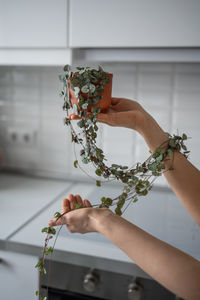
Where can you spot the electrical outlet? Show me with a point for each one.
(21, 137)
(12, 136)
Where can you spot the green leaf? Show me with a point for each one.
(98, 183)
(184, 136)
(115, 166)
(186, 152)
(57, 214)
(145, 192)
(85, 105)
(49, 250)
(78, 205)
(75, 109)
(39, 264)
(61, 94)
(152, 166)
(96, 127)
(67, 68)
(160, 158)
(172, 143)
(103, 199)
(106, 202)
(94, 100)
(135, 199)
(118, 211)
(49, 230)
(169, 153)
(43, 271)
(184, 147)
(92, 88)
(62, 78)
(37, 293)
(85, 89)
(75, 164)
(98, 172)
(85, 160)
(81, 123)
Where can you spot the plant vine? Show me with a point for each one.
(88, 87)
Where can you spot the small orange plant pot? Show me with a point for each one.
(103, 103)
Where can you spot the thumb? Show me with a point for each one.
(57, 222)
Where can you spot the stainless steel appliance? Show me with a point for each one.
(67, 281)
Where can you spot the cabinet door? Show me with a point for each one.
(18, 278)
(33, 23)
(134, 23)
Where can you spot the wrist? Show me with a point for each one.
(152, 133)
(101, 219)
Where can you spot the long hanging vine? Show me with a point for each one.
(88, 86)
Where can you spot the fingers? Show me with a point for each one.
(87, 203)
(68, 204)
(103, 118)
(114, 101)
(72, 201)
(73, 117)
(65, 206)
(79, 200)
(109, 119)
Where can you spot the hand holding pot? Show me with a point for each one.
(130, 114)
(123, 113)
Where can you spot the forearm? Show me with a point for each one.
(185, 178)
(174, 269)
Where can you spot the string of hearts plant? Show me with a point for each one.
(86, 92)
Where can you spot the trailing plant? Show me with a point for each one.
(88, 87)
(138, 180)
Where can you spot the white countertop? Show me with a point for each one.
(22, 198)
(90, 244)
(30, 202)
(94, 249)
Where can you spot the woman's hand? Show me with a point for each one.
(82, 220)
(122, 113)
(130, 114)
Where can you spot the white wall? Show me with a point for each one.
(29, 102)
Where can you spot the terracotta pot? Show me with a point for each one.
(104, 103)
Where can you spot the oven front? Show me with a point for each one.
(68, 282)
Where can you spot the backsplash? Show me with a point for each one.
(32, 133)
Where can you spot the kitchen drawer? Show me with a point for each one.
(33, 24)
(19, 279)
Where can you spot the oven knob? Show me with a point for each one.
(90, 282)
(134, 291)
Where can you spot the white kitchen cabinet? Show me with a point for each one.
(33, 24)
(134, 23)
(18, 278)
